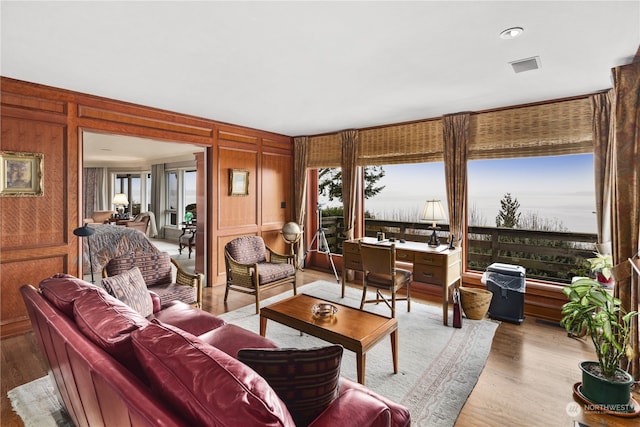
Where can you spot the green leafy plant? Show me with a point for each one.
(601, 264)
(594, 310)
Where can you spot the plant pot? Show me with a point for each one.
(612, 395)
(603, 280)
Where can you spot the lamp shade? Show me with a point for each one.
(433, 211)
(120, 199)
(84, 231)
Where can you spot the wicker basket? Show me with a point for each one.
(475, 302)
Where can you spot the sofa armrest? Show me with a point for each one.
(185, 278)
(155, 299)
(359, 408)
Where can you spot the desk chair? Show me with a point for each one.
(380, 272)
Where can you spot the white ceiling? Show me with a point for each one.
(302, 68)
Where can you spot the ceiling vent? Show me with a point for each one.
(528, 64)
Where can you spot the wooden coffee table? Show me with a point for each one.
(354, 329)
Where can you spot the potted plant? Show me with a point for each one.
(591, 308)
(601, 266)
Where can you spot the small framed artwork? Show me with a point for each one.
(238, 182)
(20, 174)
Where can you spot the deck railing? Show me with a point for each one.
(547, 255)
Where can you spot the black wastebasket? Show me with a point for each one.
(507, 283)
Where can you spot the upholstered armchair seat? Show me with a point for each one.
(162, 275)
(252, 267)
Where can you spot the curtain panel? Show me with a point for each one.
(349, 179)
(300, 150)
(603, 134)
(158, 198)
(626, 188)
(456, 139)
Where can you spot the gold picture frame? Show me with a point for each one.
(21, 174)
(238, 182)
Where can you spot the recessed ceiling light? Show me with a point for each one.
(511, 33)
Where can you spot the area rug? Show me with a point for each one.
(438, 365)
(36, 403)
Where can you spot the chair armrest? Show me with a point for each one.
(356, 406)
(185, 278)
(278, 258)
(241, 274)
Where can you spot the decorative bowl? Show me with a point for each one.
(324, 310)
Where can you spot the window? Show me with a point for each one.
(181, 192)
(172, 198)
(130, 184)
(513, 201)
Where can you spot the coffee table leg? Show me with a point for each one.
(361, 362)
(394, 350)
(263, 326)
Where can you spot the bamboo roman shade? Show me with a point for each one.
(550, 129)
(324, 151)
(405, 143)
(558, 128)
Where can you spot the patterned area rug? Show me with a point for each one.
(36, 403)
(438, 365)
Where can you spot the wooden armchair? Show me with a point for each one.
(252, 267)
(162, 275)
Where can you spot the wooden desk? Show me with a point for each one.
(430, 265)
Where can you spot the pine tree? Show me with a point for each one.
(508, 217)
(330, 182)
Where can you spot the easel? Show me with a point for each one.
(322, 245)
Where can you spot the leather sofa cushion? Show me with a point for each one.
(109, 322)
(187, 318)
(305, 379)
(203, 384)
(62, 290)
(231, 338)
(129, 287)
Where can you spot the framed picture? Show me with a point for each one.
(20, 174)
(238, 182)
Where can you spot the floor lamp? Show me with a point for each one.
(83, 232)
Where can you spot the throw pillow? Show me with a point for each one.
(129, 287)
(305, 379)
(204, 384)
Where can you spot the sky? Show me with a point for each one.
(559, 189)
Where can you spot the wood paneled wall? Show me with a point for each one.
(36, 238)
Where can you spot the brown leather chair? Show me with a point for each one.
(380, 272)
(141, 222)
(252, 267)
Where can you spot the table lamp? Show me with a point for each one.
(120, 200)
(82, 232)
(433, 211)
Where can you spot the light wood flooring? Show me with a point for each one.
(527, 380)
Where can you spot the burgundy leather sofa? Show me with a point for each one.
(92, 343)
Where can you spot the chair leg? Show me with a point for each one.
(257, 299)
(393, 303)
(409, 297)
(364, 296)
(226, 292)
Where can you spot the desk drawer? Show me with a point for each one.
(404, 256)
(428, 274)
(429, 258)
(350, 248)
